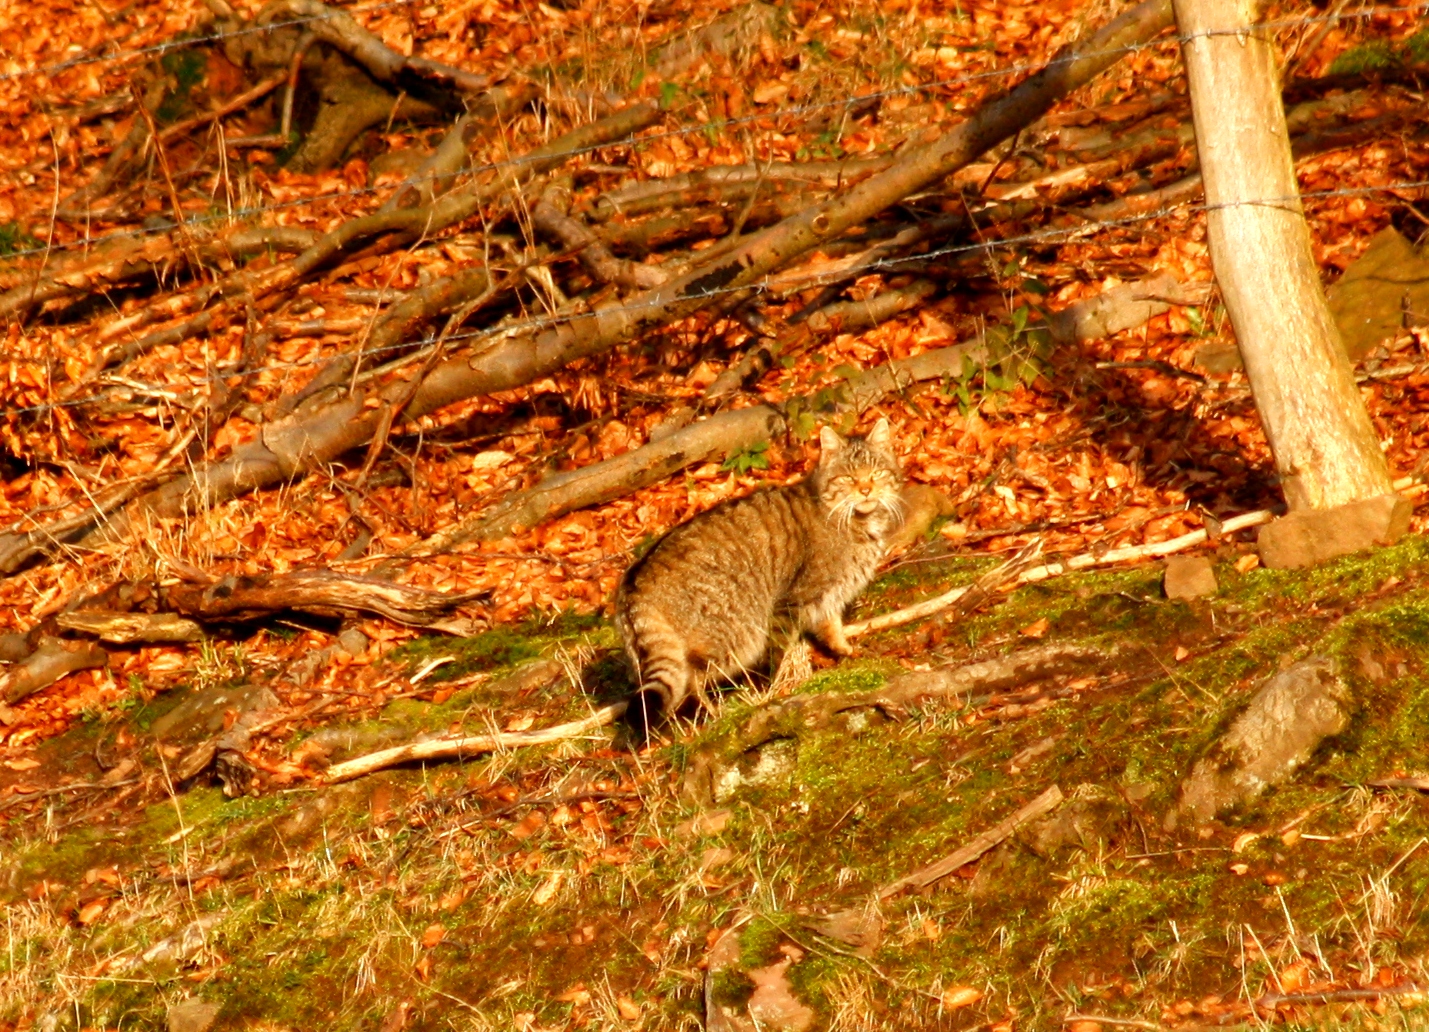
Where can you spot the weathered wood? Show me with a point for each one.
(127, 628)
(47, 664)
(1326, 450)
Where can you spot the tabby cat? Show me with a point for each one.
(701, 605)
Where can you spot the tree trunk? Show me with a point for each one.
(1326, 450)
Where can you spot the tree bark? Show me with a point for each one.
(1325, 447)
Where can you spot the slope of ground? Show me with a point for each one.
(579, 887)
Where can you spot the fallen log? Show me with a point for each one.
(234, 599)
(53, 660)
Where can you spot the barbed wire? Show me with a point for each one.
(786, 281)
(689, 128)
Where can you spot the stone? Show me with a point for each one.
(192, 1016)
(1189, 576)
(1381, 291)
(859, 927)
(773, 1004)
(1285, 722)
(353, 641)
(1092, 817)
(1311, 536)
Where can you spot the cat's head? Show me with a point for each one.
(859, 481)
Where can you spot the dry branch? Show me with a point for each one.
(716, 437)
(290, 447)
(47, 664)
(551, 217)
(469, 745)
(128, 628)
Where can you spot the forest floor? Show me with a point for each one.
(172, 851)
(583, 885)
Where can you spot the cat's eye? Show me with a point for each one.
(843, 481)
(883, 475)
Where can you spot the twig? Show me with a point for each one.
(238, 103)
(60, 790)
(285, 126)
(1039, 573)
(1128, 1022)
(1044, 803)
(1272, 1000)
(454, 748)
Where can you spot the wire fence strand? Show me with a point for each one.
(807, 281)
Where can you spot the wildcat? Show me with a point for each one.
(701, 605)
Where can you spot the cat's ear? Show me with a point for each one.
(878, 436)
(830, 441)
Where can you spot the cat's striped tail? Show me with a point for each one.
(662, 668)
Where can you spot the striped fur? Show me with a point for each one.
(701, 606)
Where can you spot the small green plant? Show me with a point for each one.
(14, 238)
(753, 457)
(1374, 56)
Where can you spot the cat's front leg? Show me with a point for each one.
(829, 632)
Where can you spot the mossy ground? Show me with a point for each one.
(566, 886)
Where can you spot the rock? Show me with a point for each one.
(859, 927)
(1189, 576)
(1312, 536)
(1287, 719)
(773, 1004)
(1381, 291)
(192, 1016)
(711, 823)
(772, 763)
(353, 641)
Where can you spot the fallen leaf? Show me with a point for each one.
(22, 764)
(89, 913)
(628, 1008)
(547, 890)
(1247, 562)
(1295, 977)
(960, 996)
(1240, 870)
(1242, 840)
(434, 934)
(577, 994)
(1035, 629)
